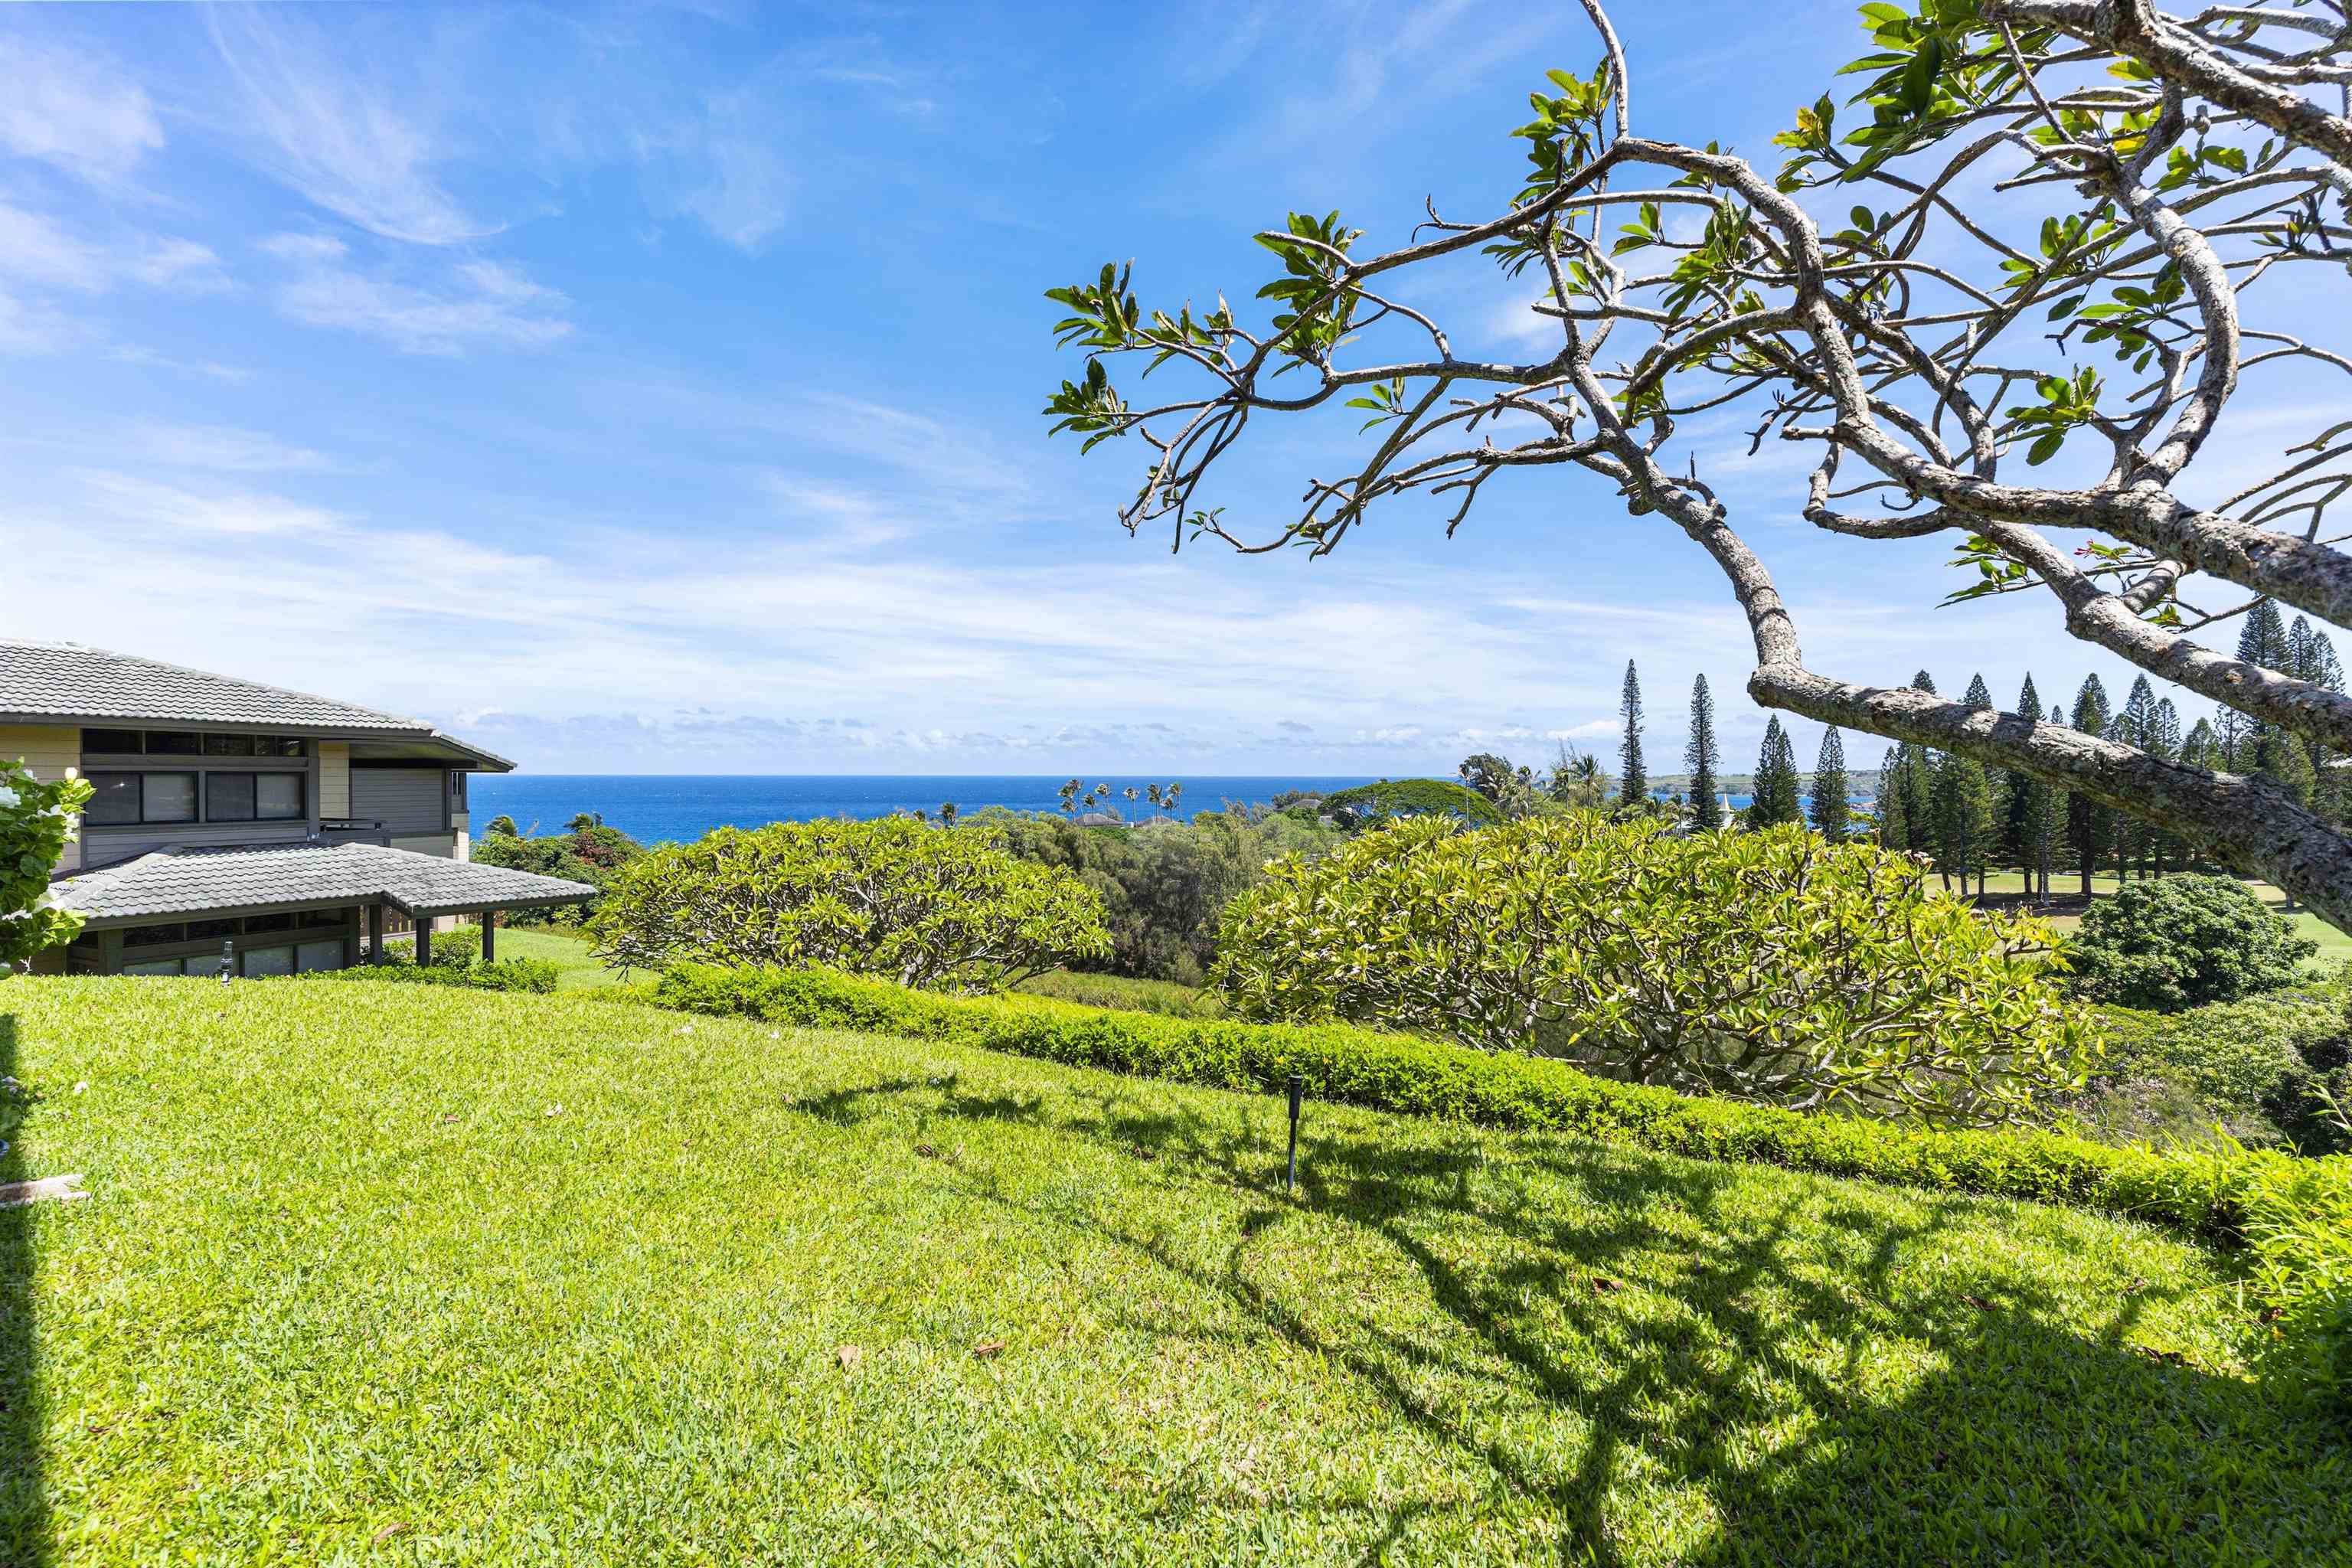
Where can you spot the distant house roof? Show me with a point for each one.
(302, 875)
(46, 681)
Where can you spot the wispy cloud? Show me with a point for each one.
(74, 111)
(221, 447)
(142, 502)
(337, 134)
(36, 248)
(483, 302)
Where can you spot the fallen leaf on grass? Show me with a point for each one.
(2136, 1286)
(927, 1152)
(2169, 1358)
(987, 1348)
(1140, 1153)
(849, 1356)
(1979, 1302)
(395, 1528)
(1601, 1283)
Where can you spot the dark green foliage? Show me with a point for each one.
(1773, 790)
(1699, 761)
(1125, 993)
(532, 975)
(2264, 1068)
(592, 853)
(1163, 885)
(1368, 805)
(2285, 1209)
(2182, 941)
(1633, 777)
(1829, 809)
(2090, 826)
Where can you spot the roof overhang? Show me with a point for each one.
(380, 742)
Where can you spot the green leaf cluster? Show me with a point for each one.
(2067, 402)
(38, 817)
(893, 898)
(1766, 966)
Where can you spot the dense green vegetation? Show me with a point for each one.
(2269, 1071)
(38, 818)
(2185, 940)
(892, 897)
(1163, 884)
(480, 1278)
(587, 851)
(1761, 965)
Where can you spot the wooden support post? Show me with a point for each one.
(375, 933)
(489, 936)
(423, 924)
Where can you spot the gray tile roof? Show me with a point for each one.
(67, 680)
(274, 876)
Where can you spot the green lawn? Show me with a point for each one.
(424, 1275)
(568, 952)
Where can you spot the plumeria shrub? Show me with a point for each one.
(1761, 966)
(896, 898)
(38, 817)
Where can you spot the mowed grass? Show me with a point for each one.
(574, 956)
(407, 1274)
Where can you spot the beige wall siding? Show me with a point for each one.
(50, 750)
(334, 778)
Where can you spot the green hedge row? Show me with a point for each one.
(2285, 1208)
(534, 974)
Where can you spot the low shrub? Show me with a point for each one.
(1766, 966)
(532, 975)
(2263, 1068)
(895, 898)
(1127, 994)
(2286, 1209)
(2184, 942)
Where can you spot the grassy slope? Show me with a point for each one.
(468, 1277)
(569, 953)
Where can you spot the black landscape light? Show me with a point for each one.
(1297, 1098)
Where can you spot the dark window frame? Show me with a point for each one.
(195, 796)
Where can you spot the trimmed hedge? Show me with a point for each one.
(2231, 1196)
(533, 974)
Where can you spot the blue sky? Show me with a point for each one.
(656, 390)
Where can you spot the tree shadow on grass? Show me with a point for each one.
(23, 1498)
(1665, 1337)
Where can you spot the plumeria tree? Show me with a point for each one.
(2010, 292)
(38, 817)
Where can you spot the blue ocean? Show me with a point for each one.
(651, 808)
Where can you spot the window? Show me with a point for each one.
(253, 797)
(277, 797)
(121, 799)
(269, 961)
(228, 797)
(150, 936)
(457, 791)
(255, 924)
(280, 746)
(167, 797)
(115, 802)
(228, 745)
(160, 966)
(313, 956)
(119, 742)
(173, 742)
(315, 920)
(210, 930)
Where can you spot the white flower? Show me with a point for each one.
(8, 796)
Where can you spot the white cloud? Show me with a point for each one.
(74, 111)
(124, 499)
(221, 448)
(35, 249)
(493, 303)
(343, 139)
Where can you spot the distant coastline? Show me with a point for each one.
(652, 807)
